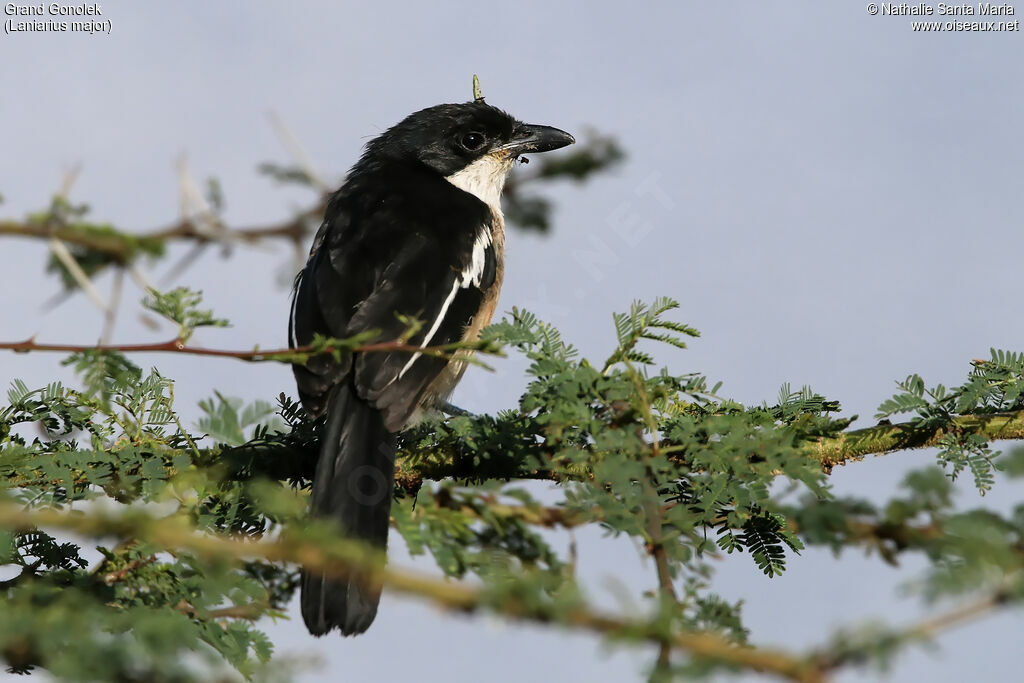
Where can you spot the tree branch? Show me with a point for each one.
(888, 438)
(123, 246)
(254, 356)
(250, 612)
(830, 451)
(339, 558)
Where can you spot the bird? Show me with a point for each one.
(415, 232)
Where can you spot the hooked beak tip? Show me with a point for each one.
(536, 139)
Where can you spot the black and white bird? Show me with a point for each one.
(415, 232)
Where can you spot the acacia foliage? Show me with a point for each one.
(642, 451)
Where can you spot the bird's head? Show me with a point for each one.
(473, 144)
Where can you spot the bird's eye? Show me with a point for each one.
(473, 141)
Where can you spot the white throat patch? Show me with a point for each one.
(484, 179)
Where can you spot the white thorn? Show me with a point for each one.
(63, 255)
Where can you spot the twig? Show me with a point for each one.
(825, 661)
(194, 205)
(110, 318)
(184, 263)
(930, 627)
(250, 612)
(298, 153)
(254, 356)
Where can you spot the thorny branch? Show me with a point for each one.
(123, 246)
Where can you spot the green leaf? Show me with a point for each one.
(180, 306)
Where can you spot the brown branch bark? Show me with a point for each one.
(254, 356)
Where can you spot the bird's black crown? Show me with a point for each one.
(448, 137)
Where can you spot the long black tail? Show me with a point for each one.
(353, 485)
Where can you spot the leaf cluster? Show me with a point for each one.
(69, 220)
(642, 452)
(993, 386)
(131, 610)
(181, 306)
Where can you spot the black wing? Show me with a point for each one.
(424, 254)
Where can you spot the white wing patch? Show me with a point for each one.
(472, 275)
(433, 328)
(474, 272)
(321, 235)
(293, 337)
(484, 179)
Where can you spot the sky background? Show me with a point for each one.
(835, 199)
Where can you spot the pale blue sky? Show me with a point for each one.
(835, 199)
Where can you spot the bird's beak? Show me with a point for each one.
(531, 139)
